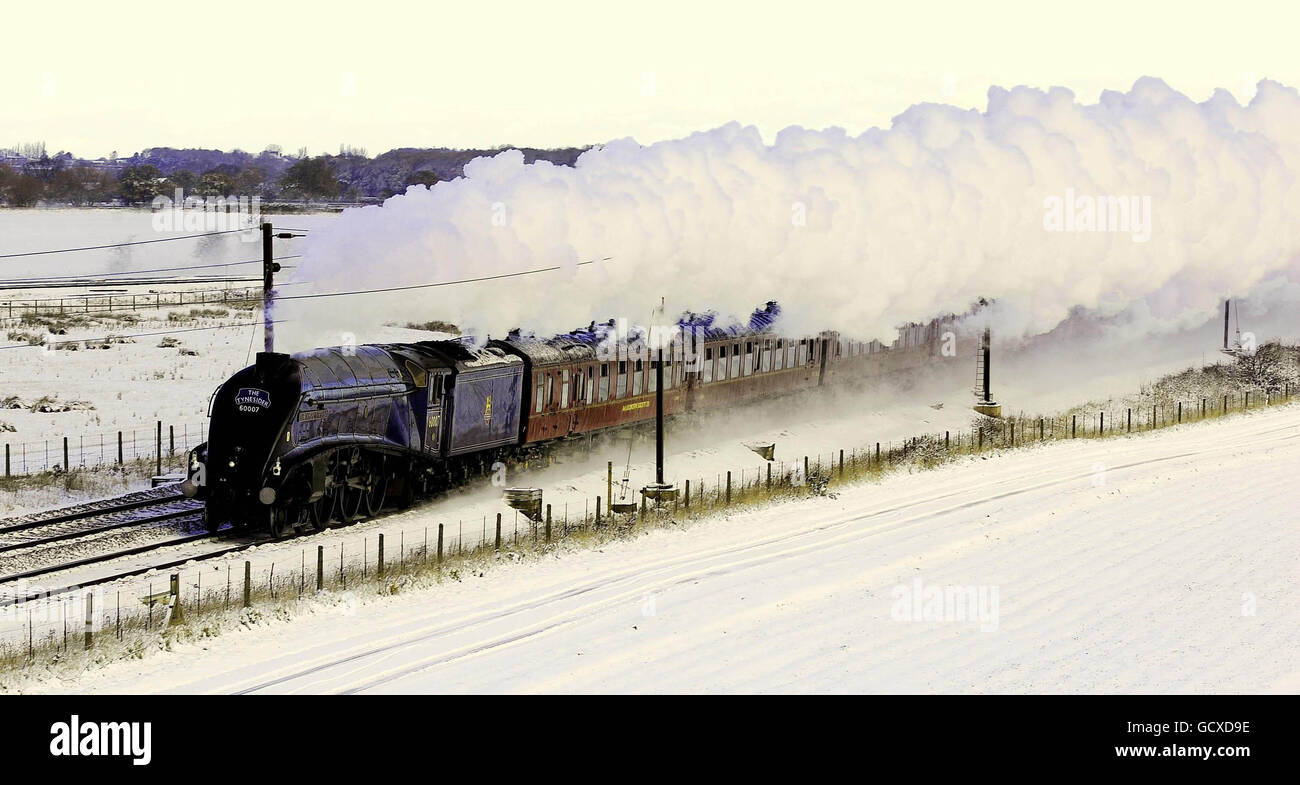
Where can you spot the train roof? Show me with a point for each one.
(347, 366)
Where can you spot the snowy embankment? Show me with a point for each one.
(1160, 562)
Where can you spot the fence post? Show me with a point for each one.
(945, 440)
(980, 431)
(498, 540)
(320, 567)
(1180, 411)
(1246, 402)
(379, 559)
(1130, 420)
(171, 439)
(609, 492)
(805, 463)
(768, 484)
(841, 463)
(119, 448)
(248, 584)
(175, 590)
(611, 515)
(1013, 433)
(548, 523)
(687, 503)
(1074, 425)
(66, 466)
(6, 459)
(158, 448)
(1102, 430)
(1202, 408)
(90, 620)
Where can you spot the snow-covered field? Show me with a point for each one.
(1154, 563)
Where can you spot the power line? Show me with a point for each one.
(138, 335)
(142, 272)
(123, 245)
(431, 285)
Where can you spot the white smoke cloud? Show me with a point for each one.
(856, 233)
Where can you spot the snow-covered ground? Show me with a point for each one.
(1154, 563)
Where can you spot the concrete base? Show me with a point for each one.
(988, 409)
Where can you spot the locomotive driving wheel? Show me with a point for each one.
(377, 481)
(277, 520)
(352, 489)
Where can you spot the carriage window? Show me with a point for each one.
(722, 363)
(777, 356)
(604, 382)
(541, 390)
(749, 358)
(651, 381)
(708, 364)
(621, 390)
(564, 389)
(767, 359)
(637, 376)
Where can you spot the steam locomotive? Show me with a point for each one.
(338, 433)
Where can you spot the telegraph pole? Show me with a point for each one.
(269, 269)
(659, 415)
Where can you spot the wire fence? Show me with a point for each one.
(116, 303)
(163, 444)
(48, 627)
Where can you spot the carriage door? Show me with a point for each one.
(433, 416)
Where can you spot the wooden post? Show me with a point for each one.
(841, 463)
(609, 492)
(769, 476)
(1074, 425)
(440, 543)
(379, 559)
(320, 567)
(6, 459)
(1040, 429)
(158, 448)
(171, 439)
(67, 467)
(248, 584)
(687, 502)
(729, 485)
(945, 440)
(90, 620)
(877, 452)
(642, 507)
(598, 511)
(175, 591)
(119, 448)
(548, 523)
(498, 540)
(1103, 423)
(1013, 433)
(1180, 411)
(1130, 420)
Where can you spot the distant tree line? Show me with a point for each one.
(30, 176)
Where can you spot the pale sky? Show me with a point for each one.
(95, 77)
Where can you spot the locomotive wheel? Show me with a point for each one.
(378, 490)
(353, 493)
(276, 520)
(321, 511)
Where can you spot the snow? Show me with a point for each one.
(1154, 563)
